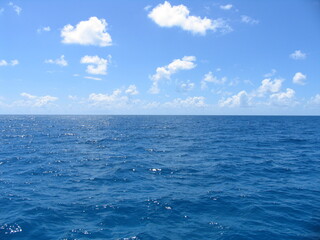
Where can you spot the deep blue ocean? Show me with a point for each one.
(159, 177)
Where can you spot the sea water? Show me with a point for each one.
(159, 177)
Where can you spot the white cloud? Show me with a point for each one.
(249, 20)
(36, 101)
(226, 7)
(44, 29)
(186, 86)
(188, 102)
(132, 90)
(16, 8)
(93, 78)
(298, 55)
(239, 100)
(97, 65)
(270, 74)
(267, 85)
(146, 8)
(90, 32)
(165, 72)
(11, 63)
(60, 61)
(209, 77)
(315, 100)
(116, 99)
(166, 15)
(283, 98)
(1, 10)
(299, 78)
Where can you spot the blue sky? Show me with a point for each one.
(160, 57)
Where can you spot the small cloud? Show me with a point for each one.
(1, 10)
(96, 65)
(93, 78)
(146, 8)
(267, 85)
(249, 20)
(43, 29)
(239, 100)
(90, 32)
(60, 61)
(132, 90)
(270, 74)
(315, 100)
(73, 97)
(226, 7)
(165, 72)
(283, 98)
(298, 55)
(299, 78)
(35, 101)
(16, 8)
(166, 15)
(210, 78)
(4, 63)
(186, 86)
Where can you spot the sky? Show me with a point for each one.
(207, 57)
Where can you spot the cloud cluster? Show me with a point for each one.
(210, 78)
(267, 85)
(188, 102)
(298, 55)
(36, 101)
(283, 98)
(16, 8)
(11, 63)
(249, 20)
(166, 15)
(90, 32)
(165, 72)
(241, 99)
(59, 61)
(96, 65)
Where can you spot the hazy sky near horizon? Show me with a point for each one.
(160, 57)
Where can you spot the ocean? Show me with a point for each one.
(159, 177)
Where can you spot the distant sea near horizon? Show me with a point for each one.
(159, 177)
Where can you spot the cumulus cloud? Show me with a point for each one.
(226, 7)
(283, 98)
(132, 90)
(241, 99)
(249, 20)
(16, 8)
(96, 65)
(267, 85)
(166, 15)
(90, 32)
(36, 101)
(210, 78)
(298, 55)
(4, 63)
(299, 78)
(165, 72)
(44, 29)
(59, 61)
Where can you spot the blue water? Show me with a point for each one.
(159, 177)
